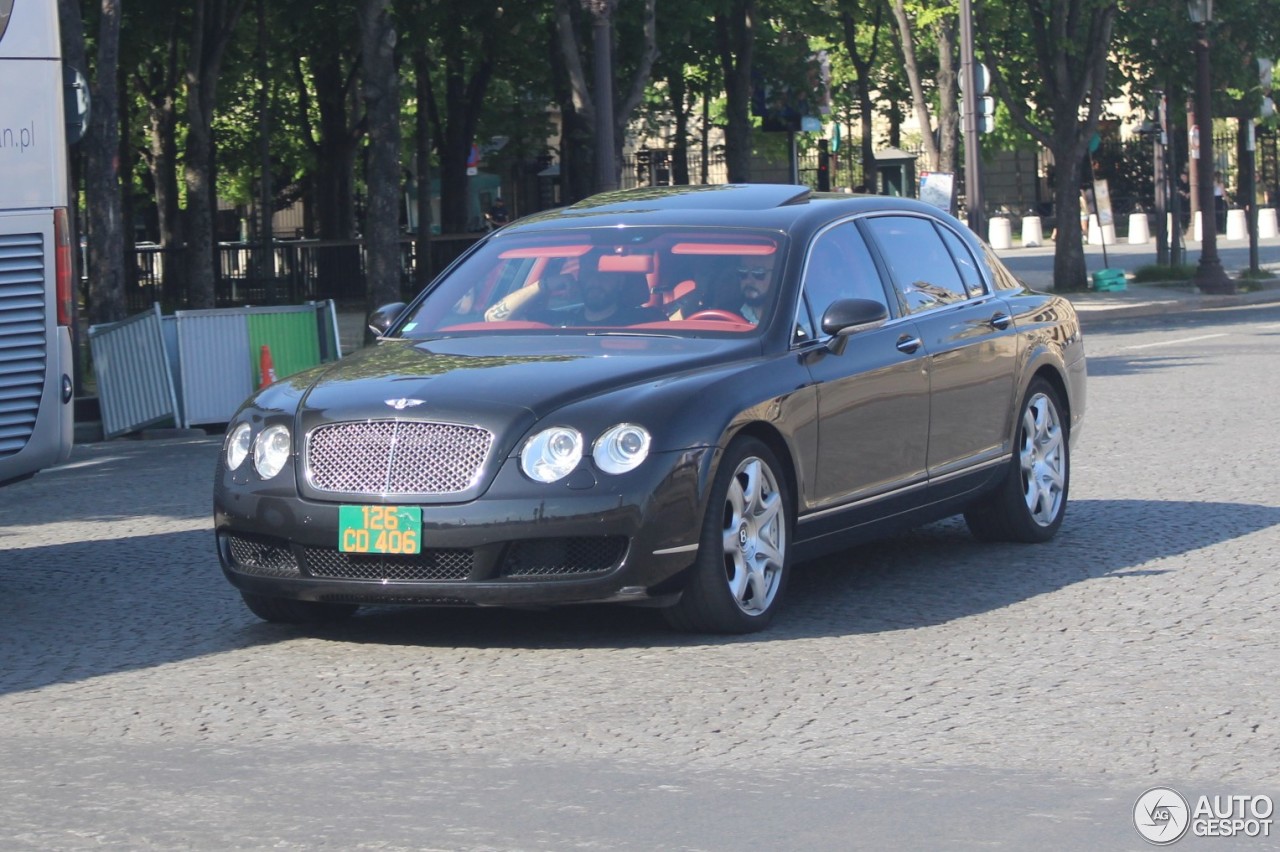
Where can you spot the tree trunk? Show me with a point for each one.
(1069, 269)
(335, 151)
(422, 268)
(948, 108)
(382, 174)
(102, 178)
(214, 25)
(863, 83)
(867, 139)
(159, 87)
(455, 131)
(266, 206)
(735, 36)
(1070, 69)
(680, 153)
(623, 108)
(913, 78)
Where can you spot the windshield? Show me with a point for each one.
(659, 280)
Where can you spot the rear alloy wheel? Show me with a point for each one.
(289, 611)
(1030, 503)
(737, 581)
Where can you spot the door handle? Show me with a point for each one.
(1001, 321)
(908, 344)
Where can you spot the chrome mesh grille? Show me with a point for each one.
(396, 457)
(439, 564)
(262, 558)
(564, 556)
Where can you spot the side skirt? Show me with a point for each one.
(828, 532)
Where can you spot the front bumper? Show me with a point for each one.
(590, 537)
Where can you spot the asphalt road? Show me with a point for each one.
(926, 692)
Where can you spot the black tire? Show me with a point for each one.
(737, 582)
(1029, 503)
(289, 611)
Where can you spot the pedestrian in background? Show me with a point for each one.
(1219, 203)
(497, 214)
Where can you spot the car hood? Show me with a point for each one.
(493, 381)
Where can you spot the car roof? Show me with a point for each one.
(785, 207)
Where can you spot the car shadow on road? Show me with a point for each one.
(930, 576)
(76, 611)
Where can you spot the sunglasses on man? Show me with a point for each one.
(757, 272)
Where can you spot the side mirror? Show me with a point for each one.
(845, 317)
(381, 319)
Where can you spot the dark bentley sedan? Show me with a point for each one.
(662, 396)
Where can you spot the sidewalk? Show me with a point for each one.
(1143, 300)
(1034, 267)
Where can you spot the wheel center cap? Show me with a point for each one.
(742, 535)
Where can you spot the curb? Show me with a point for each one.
(1097, 310)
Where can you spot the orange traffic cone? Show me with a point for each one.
(266, 369)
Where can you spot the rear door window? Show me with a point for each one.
(920, 265)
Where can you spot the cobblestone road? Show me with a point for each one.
(925, 692)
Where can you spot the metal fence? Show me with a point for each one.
(286, 272)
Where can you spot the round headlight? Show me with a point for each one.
(238, 443)
(271, 451)
(621, 448)
(551, 454)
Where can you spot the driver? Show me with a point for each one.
(755, 284)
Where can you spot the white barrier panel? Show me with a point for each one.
(1032, 231)
(1099, 233)
(1139, 233)
(1000, 233)
(1267, 223)
(1197, 233)
(1237, 225)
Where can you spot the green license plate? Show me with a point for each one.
(380, 529)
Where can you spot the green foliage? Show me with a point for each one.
(1154, 274)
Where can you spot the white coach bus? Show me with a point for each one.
(36, 260)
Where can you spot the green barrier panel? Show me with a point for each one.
(292, 337)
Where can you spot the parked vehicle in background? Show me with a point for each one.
(661, 396)
(36, 257)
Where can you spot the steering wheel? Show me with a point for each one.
(716, 314)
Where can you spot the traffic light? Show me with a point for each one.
(986, 114)
(986, 106)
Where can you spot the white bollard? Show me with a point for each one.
(1197, 232)
(1237, 225)
(1000, 233)
(1032, 231)
(1101, 234)
(1139, 233)
(1267, 224)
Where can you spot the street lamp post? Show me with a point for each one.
(1210, 276)
(973, 200)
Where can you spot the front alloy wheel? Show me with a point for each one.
(737, 581)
